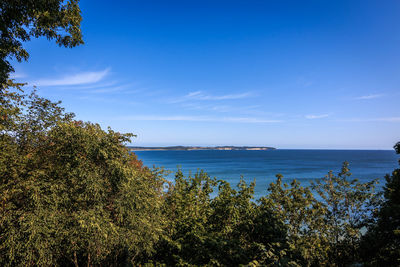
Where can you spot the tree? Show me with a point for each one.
(248, 231)
(223, 228)
(23, 19)
(186, 209)
(326, 229)
(348, 205)
(72, 193)
(381, 246)
(303, 216)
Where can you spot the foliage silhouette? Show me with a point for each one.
(20, 20)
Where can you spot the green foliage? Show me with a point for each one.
(348, 205)
(323, 230)
(288, 227)
(187, 208)
(228, 229)
(20, 20)
(70, 192)
(297, 208)
(381, 246)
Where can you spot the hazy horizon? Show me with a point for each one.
(133, 144)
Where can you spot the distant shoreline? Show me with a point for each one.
(190, 148)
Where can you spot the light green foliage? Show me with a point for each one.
(348, 205)
(297, 208)
(325, 229)
(222, 228)
(187, 208)
(70, 192)
(20, 20)
(249, 231)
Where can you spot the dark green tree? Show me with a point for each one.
(381, 246)
(20, 20)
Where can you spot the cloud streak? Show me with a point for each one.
(313, 116)
(113, 89)
(382, 119)
(371, 96)
(201, 96)
(198, 119)
(75, 79)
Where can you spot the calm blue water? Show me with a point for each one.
(304, 165)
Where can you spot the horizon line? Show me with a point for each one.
(275, 148)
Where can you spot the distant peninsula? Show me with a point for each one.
(188, 148)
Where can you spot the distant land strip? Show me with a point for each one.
(187, 148)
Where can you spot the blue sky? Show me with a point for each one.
(289, 74)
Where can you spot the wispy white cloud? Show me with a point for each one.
(200, 95)
(198, 119)
(391, 119)
(252, 110)
(75, 79)
(382, 119)
(111, 89)
(197, 106)
(371, 96)
(98, 99)
(103, 84)
(250, 120)
(319, 116)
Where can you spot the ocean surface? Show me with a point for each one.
(303, 165)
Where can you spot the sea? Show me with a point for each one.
(263, 166)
